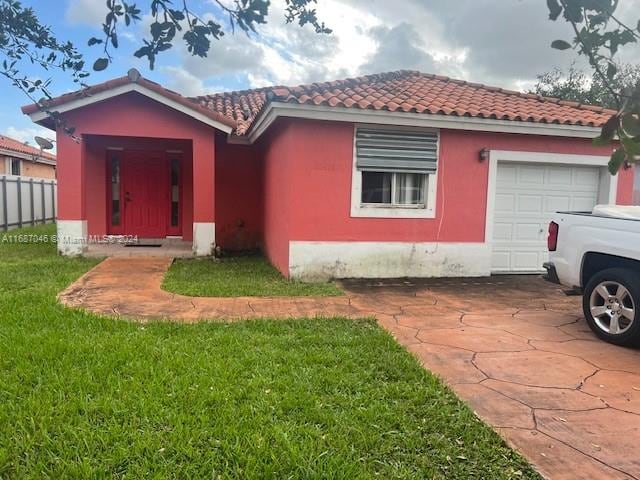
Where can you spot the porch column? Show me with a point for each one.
(204, 227)
(72, 220)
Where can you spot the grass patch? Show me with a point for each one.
(89, 397)
(238, 276)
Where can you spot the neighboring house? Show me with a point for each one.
(390, 175)
(17, 158)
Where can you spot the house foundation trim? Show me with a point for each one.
(72, 237)
(325, 260)
(204, 238)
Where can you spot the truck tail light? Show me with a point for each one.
(552, 239)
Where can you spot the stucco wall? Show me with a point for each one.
(30, 169)
(238, 195)
(636, 186)
(278, 152)
(37, 170)
(96, 179)
(309, 231)
(320, 170)
(137, 122)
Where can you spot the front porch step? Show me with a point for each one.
(152, 247)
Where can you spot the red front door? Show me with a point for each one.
(145, 187)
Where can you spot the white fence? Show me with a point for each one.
(26, 201)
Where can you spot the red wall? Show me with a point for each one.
(319, 178)
(295, 184)
(137, 122)
(238, 195)
(625, 186)
(278, 149)
(96, 180)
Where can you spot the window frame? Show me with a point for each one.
(11, 163)
(111, 154)
(393, 210)
(394, 191)
(178, 156)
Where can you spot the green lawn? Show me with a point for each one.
(237, 277)
(89, 397)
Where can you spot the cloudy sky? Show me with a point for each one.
(498, 42)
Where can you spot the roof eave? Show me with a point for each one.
(277, 109)
(39, 158)
(43, 118)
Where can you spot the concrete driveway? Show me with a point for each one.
(519, 352)
(514, 347)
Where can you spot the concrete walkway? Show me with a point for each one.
(513, 347)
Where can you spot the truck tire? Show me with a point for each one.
(611, 305)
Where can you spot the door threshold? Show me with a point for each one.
(156, 245)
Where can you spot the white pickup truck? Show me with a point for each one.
(597, 254)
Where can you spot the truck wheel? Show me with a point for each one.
(611, 305)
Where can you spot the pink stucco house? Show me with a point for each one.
(390, 175)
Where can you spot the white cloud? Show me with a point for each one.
(183, 82)
(492, 41)
(128, 36)
(86, 12)
(351, 35)
(187, 84)
(283, 53)
(397, 48)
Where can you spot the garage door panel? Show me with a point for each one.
(583, 203)
(523, 259)
(508, 174)
(505, 202)
(556, 203)
(530, 175)
(529, 203)
(527, 196)
(501, 260)
(517, 260)
(558, 175)
(528, 232)
(503, 231)
(587, 177)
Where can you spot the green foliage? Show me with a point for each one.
(577, 86)
(88, 397)
(197, 33)
(242, 276)
(24, 38)
(599, 34)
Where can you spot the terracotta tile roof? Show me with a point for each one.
(243, 106)
(409, 91)
(13, 145)
(132, 77)
(401, 91)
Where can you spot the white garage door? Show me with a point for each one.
(527, 195)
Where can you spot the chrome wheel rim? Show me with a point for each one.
(612, 307)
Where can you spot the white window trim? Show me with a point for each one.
(360, 210)
(9, 166)
(608, 183)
